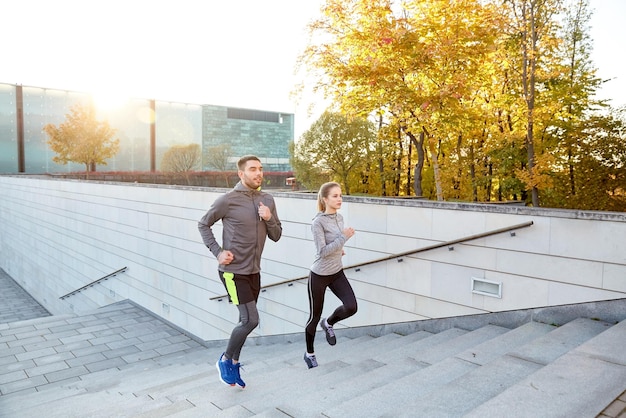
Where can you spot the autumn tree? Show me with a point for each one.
(533, 30)
(334, 148)
(414, 64)
(181, 158)
(82, 139)
(487, 100)
(219, 157)
(599, 152)
(575, 91)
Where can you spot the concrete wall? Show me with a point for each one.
(58, 235)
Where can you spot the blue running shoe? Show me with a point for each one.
(237, 377)
(310, 361)
(330, 332)
(225, 369)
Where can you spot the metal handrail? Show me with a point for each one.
(400, 255)
(95, 282)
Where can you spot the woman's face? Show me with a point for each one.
(333, 200)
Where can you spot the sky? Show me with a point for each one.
(237, 53)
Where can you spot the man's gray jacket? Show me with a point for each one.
(243, 232)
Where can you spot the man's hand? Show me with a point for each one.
(264, 212)
(225, 257)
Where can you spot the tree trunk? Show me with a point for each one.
(419, 165)
(435, 159)
(408, 170)
(529, 72)
(381, 164)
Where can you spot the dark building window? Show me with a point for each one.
(248, 114)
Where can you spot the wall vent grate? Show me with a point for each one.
(486, 287)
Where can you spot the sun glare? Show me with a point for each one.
(108, 100)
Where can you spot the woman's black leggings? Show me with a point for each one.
(338, 283)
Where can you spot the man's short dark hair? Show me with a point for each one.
(241, 164)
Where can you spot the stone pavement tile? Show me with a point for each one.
(83, 360)
(66, 327)
(172, 348)
(616, 409)
(41, 361)
(67, 373)
(114, 314)
(26, 341)
(7, 360)
(61, 334)
(13, 351)
(18, 330)
(136, 331)
(139, 356)
(58, 383)
(180, 337)
(153, 345)
(42, 344)
(109, 331)
(124, 343)
(106, 339)
(34, 354)
(147, 318)
(126, 323)
(13, 376)
(74, 338)
(82, 319)
(155, 336)
(105, 364)
(33, 334)
(121, 352)
(73, 346)
(93, 329)
(90, 350)
(51, 324)
(20, 385)
(16, 365)
(45, 369)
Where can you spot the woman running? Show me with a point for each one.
(329, 236)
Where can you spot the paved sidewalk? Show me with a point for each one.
(39, 351)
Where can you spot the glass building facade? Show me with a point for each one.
(146, 130)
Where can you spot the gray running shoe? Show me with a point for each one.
(330, 332)
(310, 361)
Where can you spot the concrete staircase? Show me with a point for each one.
(475, 367)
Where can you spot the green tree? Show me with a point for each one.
(489, 100)
(575, 91)
(600, 166)
(534, 27)
(415, 65)
(82, 139)
(334, 148)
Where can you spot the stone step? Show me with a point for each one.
(581, 382)
(441, 368)
(556, 370)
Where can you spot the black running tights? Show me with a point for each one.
(338, 283)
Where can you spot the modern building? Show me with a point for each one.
(147, 128)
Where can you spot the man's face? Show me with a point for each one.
(252, 174)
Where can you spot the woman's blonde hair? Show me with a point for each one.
(323, 193)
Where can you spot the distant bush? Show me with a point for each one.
(271, 179)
